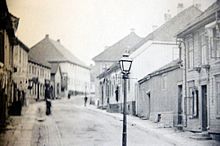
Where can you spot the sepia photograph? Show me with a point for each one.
(109, 72)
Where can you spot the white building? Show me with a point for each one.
(75, 74)
(157, 49)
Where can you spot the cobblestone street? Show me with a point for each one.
(72, 124)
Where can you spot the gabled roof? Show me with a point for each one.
(54, 68)
(114, 52)
(204, 18)
(8, 21)
(53, 51)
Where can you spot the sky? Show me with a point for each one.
(86, 27)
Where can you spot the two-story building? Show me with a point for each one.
(200, 47)
(20, 77)
(157, 49)
(8, 27)
(110, 56)
(39, 75)
(75, 73)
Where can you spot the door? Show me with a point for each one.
(180, 108)
(204, 108)
(148, 105)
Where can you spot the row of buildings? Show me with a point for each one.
(175, 73)
(24, 71)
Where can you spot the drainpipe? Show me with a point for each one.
(181, 41)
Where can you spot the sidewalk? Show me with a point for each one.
(168, 134)
(19, 130)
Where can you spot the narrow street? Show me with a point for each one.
(72, 124)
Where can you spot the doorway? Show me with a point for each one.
(180, 108)
(148, 105)
(204, 108)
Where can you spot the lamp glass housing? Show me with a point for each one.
(125, 63)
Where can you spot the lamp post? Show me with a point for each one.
(125, 65)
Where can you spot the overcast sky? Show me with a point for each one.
(85, 27)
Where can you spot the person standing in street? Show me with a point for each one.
(85, 100)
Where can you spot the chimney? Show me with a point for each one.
(167, 16)
(132, 30)
(197, 3)
(58, 40)
(180, 7)
(47, 36)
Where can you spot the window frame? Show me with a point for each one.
(217, 95)
(190, 48)
(193, 100)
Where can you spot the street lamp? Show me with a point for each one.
(125, 65)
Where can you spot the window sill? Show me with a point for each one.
(217, 116)
(217, 61)
(193, 117)
(190, 70)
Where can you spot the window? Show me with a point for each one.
(218, 95)
(2, 51)
(204, 44)
(29, 69)
(189, 44)
(215, 44)
(193, 101)
(20, 55)
(163, 81)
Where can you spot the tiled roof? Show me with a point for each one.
(53, 51)
(114, 52)
(209, 13)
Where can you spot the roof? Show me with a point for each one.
(112, 68)
(54, 68)
(204, 18)
(38, 62)
(114, 52)
(173, 65)
(168, 31)
(53, 51)
(22, 45)
(8, 21)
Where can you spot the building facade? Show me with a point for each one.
(56, 78)
(8, 27)
(20, 77)
(201, 60)
(38, 74)
(110, 56)
(157, 49)
(160, 95)
(75, 74)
